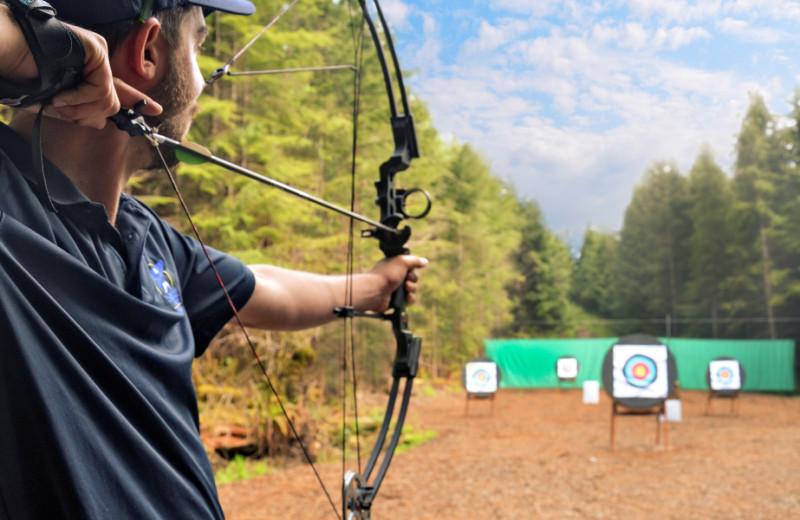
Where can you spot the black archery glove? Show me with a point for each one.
(57, 50)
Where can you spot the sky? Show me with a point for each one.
(572, 101)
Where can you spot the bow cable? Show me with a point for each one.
(224, 69)
(238, 319)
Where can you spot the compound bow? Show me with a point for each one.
(359, 488)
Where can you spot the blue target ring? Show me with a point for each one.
(481, 377)
(725, 375)
(640, 371)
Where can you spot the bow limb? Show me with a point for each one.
(360, 489)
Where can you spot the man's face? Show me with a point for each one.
(183, 82)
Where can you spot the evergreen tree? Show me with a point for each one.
(755, 180)
(541, 296)
(593, 280)
(786, 150)
(477, 229)
(652, 259)
(711, 241)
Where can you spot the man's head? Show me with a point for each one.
(153, 46)
(93, 13)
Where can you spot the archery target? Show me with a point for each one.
(567, 368)
(640, 371)
(481, 377)
(724, 374)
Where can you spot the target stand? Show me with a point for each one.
(567, 369)
(725, 377)
(481, 379)
(639, 374)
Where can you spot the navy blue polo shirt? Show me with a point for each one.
(99, 326)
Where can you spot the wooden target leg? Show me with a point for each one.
(466, 406)
(658, 427)
(613, 432)
(708, 403)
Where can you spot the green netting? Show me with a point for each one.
(530, 363)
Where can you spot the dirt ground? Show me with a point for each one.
(546, 455)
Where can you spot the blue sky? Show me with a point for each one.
(572, 101)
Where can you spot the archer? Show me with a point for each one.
(103, 306)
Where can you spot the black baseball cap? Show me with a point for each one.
(91, 13)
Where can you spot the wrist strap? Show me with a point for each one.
(58, 53)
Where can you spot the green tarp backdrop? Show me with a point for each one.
(530, 363)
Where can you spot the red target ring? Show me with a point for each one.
(640, 371)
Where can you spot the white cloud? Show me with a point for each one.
(772, 9)
(635, 36)
(396, 13)
(490, 37)
(556, 53)
(574, 112)
(677, 37)
(681, 11)
(748, 32)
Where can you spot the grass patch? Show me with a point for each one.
(413, 437)
(242, 468)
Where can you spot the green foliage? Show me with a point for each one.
(242, 468)
(651, 260)
(541, 290)
(298, 129)
(594, 276)
(413, 437)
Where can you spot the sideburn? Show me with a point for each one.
(177, 99)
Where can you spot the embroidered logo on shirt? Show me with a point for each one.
(165, 285)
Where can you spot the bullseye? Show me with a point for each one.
(481, 377)
(640, 371)
(725, 375)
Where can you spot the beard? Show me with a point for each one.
(178, 100)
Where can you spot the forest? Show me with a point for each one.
(706, 253)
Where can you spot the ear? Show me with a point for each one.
(142, 57)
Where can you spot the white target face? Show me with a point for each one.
(567, 368)
(724, 374)
(481, 377)
(640, 371)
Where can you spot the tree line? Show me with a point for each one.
(705, 254)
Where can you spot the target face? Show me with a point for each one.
(640, 371)
(724, 375)
(481, 377)
(567, 368)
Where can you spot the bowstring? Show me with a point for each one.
(241, 325)
(357, 35)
